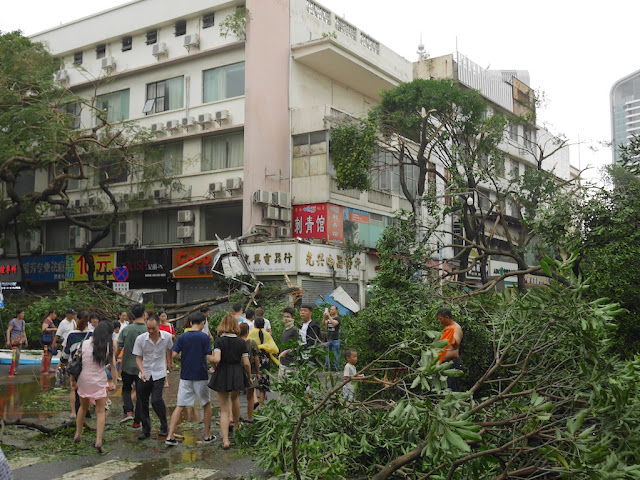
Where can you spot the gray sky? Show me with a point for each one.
(574, 52)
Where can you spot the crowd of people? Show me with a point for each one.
(140, 347)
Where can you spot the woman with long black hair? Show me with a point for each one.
(93, 385)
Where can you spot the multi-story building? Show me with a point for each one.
(244, 124)
(625, 112)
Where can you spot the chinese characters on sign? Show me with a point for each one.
(49, 268)
(290, 258)
(319, 220)
(10, 271)
(77, 268)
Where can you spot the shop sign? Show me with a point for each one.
(476, 271)
(270, 258)
(198, 269)
(310, 221)
(146, 264)
(10, 270)
(10, 286)
(295, 258)
(76, 268)
(536, 281)
(500, 268)
(325, 259)
(48, 269)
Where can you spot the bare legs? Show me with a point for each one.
(175, 418)
(223, 400)
(250, 402)
(100, 420)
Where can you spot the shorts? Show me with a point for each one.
(188, 389)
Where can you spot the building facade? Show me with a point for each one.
(625, 112)
(243, 122)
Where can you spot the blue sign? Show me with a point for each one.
(121, 274)
(48, 268)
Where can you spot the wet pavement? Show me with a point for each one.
(33, 397)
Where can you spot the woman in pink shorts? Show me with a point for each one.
(93, 385)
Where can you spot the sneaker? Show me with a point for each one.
(210, 439)
(172, 442)
(137, 425)
(126, 417)
(144, 436)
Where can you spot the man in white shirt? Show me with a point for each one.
(67, 324)
(153, 352)
(250, 318)
(205, 311)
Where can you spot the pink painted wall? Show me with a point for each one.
(267, 136)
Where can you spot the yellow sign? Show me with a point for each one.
(76, 268)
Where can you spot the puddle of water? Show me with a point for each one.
(17, 392)
(161, 467)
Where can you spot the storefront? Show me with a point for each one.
(147, 269)
(10, 277)
(195, 281)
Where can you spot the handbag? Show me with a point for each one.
(212, 379)
(46, 338)
(74, 368)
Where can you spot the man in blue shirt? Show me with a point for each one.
(195, 348)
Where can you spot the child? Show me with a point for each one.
(349, 372)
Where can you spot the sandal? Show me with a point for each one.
(226, 447)
(77, 438)
(99, 448)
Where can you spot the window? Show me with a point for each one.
(180, 28)
(127, 44)
(57, 236)
(116, 105)
(101, 51)
(514, 172)
(431, 178)
(73, 110)
(385, 174)
(167, 157)
(152, 37)
(110, 165)
(222, 151)
(72, 183)
(208, 20)
(529, 137)
(222, 220)
(498, 162)
(513, 132)
(160, 227)
(164, 95)
(77, 58)
(224, 82)
(310, 154)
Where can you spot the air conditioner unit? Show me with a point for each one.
(157, 127)
(61, 76)
(234, 183)
(159, 49)
(283, 232)
(188, 122)
(173, 125)
(281, 199)
(216, 187)
(205, 118)
(262, 196)
(93, 202)
(160, 194)
(271, 213)
(77, 203)
(222, 115)
(185, 232)
(77, 236)
(285, 214)
(126, 232)
(108, 63)
(185, 216)
(192, 40)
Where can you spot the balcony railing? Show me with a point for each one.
(342, 26)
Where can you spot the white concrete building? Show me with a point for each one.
(244, 123)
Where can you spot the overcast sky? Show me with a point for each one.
(574, 52)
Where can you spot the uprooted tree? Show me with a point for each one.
(554, 401)
(425, 123)
(43, 137)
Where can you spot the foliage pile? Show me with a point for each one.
(94, 298)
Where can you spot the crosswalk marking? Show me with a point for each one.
(190, 474)
(102, 471)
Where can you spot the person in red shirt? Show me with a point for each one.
(451, 353)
